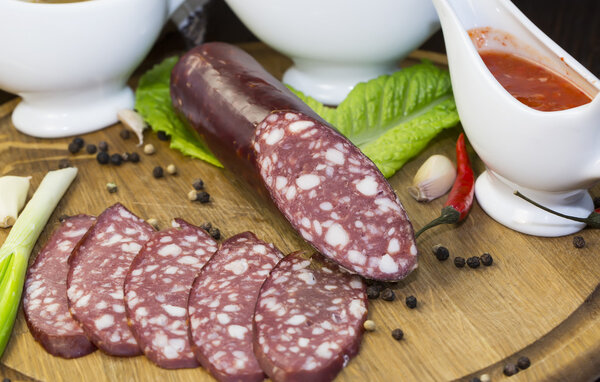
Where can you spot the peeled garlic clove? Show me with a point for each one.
(13, 193)
(433, 179)
(134, 121)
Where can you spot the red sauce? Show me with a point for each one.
(533, 84)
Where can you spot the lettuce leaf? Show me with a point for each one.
(153, 102)
(393, 117)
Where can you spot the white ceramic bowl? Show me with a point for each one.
(70, 61)
(337, 43)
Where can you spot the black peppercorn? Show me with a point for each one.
(475, 379)
(459, 262)
(64, 163)
(134, 157)
(372, 292)
(103, 146)
(74, 148)
(523, 363)
(473, 262)
(597, 202)
(79, 141)
(411, 302)
(102, 157)
(206, 226)
(510, 369)
(116, 159)
(486, 259)
(388, 295)
(215, 233)
(198, 184)
(203, 197)
(6, 380)
(441, 252)
(91, 149)
(125, 134)
(578, 242)
(398, 334)
(162, 136)
(157, 172)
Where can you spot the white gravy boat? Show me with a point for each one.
(551, 157)
(70, 61)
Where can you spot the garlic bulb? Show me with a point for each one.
(13, 192)
(433, 179)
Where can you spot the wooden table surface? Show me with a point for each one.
(540, 298)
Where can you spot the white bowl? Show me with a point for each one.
(70, 61)
(337, 43)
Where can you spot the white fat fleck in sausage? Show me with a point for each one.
(387, 264)
(336, 236)
(335, 156)
(274, 137)
(308, 181)
(367, 186)
(298, 126)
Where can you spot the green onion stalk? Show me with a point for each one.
(14, 253)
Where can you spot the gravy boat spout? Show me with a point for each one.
(549, 156)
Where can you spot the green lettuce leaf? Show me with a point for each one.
(153, 102)
(393, 117)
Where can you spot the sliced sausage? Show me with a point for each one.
(156, 292)
(96, 276)
(308, 321)
(313, 174)
(45, 296)
(334, 197)
(221, 305)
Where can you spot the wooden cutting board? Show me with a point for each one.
(540, 298)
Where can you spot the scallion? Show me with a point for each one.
(14, 253)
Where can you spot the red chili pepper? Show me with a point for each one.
(593, 219)
(460, 199)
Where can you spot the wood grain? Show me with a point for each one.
(532, 301)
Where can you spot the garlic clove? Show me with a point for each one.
(134, 121)
(433, 179)
(13, 193)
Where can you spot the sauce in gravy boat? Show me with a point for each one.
(549, 156)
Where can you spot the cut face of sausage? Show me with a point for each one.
(308, 320)
(221, 305)
(96, 277)
(156, 292)
(45, 296)
(334, 196)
